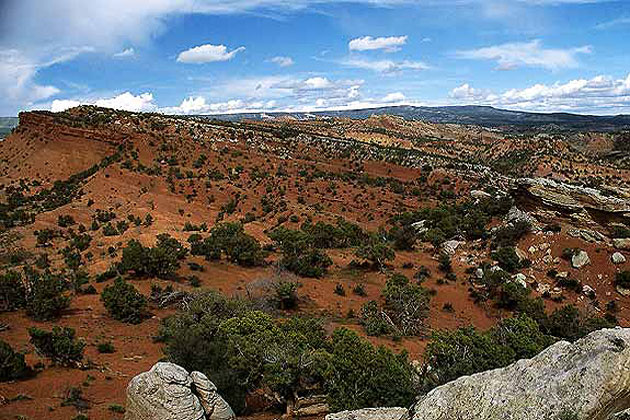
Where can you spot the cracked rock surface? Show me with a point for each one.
(169, 392)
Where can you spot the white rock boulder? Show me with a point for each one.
(169, 392)
(580, 259)
(586, 380)
(618, 258)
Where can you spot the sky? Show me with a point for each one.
(226, 56)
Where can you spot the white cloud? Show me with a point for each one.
(125, 101)
(59, 105)
(388, 44)
(317, 83)
(17, 74)
(622, 21)
(199, 106)
(601, 94)
(530, 54)
(127, 52)
(384, 66)
(207, 53)
(282, 61)
(394, 97)
(468, 93)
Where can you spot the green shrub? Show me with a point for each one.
(508, 236)
(622, 279)
(240, 348)
(374, 320)
(12, 364)
(569, 323)
(376, 251)
(65, 221)
(356, 374)
(285, 294)
(465, 351)
(12, 291)
(445, 264)
(116, 408)
(59, 345)
(105, 347)
(109, 230)
(45, 299)
(359, 290)
(124, 302)
(404, 238)
(406, 304)
(507, 259)
(299, 255)
(229, 239)
(342, 235)
(161, 261)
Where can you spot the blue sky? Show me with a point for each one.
(215, 56)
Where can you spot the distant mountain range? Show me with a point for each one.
(6, 125)
(471, 115)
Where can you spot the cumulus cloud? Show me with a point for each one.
(384, 66)
(125, 101)
(127, 52)
(468, 93)
(317, 83)
(18, 71)
(394, 97)
(599, 94)
(207, 53)
(530, 54)
(388, 44)
(199, 106)
(282, 61)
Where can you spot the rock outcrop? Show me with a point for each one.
(396, 413)
(580, 259)
(573, 197)
(586, 380)
(618, 258)
(169, 392)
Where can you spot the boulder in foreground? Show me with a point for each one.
(395, 413)
(586, 380)
(169, 392)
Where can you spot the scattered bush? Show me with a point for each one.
(465, 351)
(356, 374)
(569, 323)
(65, 221)
(374, 320)
(245, 350)
(340, 290)
(285, 294)
(622, 279)
(12, 291)
(59, 345)
(376, 251)
(161, 261)
(359, 290)
(508, 236)
(124, 302)
(105, 347)
(12, 364)
(299, 255)
(507, 259)
(229, 239)
(45, 299)
(406, 304)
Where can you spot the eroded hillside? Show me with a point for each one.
(314, 218)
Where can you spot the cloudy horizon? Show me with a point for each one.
(229, 56)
